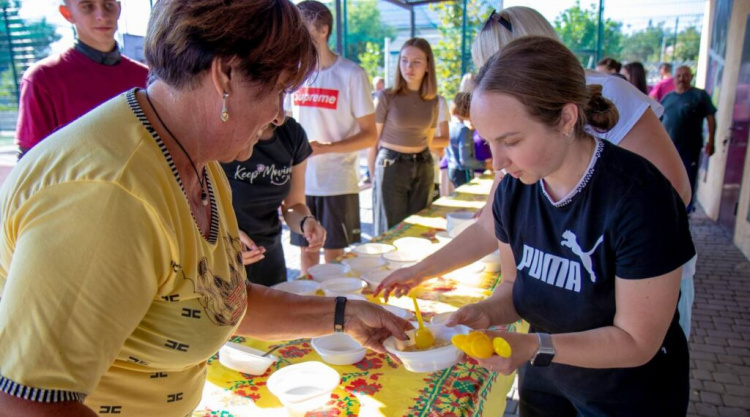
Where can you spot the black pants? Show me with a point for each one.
(271, 269)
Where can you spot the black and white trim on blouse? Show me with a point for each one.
(138, 111)
(38, 394)
(581, 183)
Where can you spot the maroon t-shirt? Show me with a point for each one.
(59, 89)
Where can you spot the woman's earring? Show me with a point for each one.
(224, 112)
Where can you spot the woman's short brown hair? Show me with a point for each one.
(544, 76)
(428, 88)
(267, 37)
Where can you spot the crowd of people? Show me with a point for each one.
(143, 221)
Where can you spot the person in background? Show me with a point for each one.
(59, 89)
(336, 110)
(378, 85)
(460, 153)
(120, 270)
(406, 119)
(638, 130)
(611, 231)
(273, 177)
(609, 66)
(439, 143)
(635, 74)
(685, 108)
(665, 84)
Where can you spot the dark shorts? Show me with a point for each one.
(339, 215)
(272, 268)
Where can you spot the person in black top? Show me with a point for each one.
(592, 240)
(273, 177)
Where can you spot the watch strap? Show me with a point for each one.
(302, 223)
(338, 316)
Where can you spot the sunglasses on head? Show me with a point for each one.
(497, 17)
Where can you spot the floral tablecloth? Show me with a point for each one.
(377, 385)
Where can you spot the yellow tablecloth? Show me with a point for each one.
(378, 386)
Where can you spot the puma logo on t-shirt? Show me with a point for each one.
(570, 240)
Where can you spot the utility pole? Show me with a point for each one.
(674, 45)
(10, 51)
(464, 24)
(600, 31)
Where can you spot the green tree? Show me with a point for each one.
(578, 30)
(448, 49)
(364, 27)
(372, 59)
(688, 45)
(645, 45)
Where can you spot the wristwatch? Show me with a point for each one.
(338, 316)
(545, 353)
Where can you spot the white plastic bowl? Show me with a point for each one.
(492, 262)
(375, 277)
(245, 359)
(440, 318)
(300, 286)
(412, 244)
(338, 349)
(401, 259)
(325, 272)
(443, 237)
(428, 360)
(365, 263)
(341, 286)
(400, 312)
(373, 249)
(458, 221)
(304, 386)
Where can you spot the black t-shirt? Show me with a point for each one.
(260, 184)
(624, 220)
(683, 119)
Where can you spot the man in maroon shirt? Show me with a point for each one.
(665, 85)
(59, 89)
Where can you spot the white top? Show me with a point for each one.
(630, 103)
(328, 106)
(444, 114)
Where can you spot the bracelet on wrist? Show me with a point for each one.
(302, 223)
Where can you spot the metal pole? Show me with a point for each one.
(600, 32)
(346, 30)
(464, 24)
(674, 46)
(12, 57)
(338, 27)
(413, 20)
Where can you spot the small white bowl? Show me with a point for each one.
(412, 244)
(323, 272)
(443, 237)
(303, 387)
(492, 262)
(373, 249)
(428, 360)
(458, 221)
(299, 286)
(365, 263)
(400, 312)
(375, 277)
(341, 286)
(245, 359)
(338, 349)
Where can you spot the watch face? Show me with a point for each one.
(542, 359)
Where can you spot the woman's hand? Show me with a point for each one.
(315, 235)
(474, 315)
(399, 283)
(251, 253)
(523, 347)
(371, 324)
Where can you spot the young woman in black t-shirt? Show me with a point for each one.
(592, 241)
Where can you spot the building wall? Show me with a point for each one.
(710, 191)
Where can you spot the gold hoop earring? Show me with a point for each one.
(224, 112)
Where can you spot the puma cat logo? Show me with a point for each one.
(570, 241)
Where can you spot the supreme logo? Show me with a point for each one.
(316, 97)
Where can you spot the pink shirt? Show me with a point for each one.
(662, 88)
(59, 89)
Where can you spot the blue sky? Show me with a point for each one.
(634, 14)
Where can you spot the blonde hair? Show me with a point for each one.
(493, 37)
(545, 76)
(428, 88)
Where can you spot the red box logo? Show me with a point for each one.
(316, 97)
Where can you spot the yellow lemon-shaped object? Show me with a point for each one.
(424, 339)
(461, 341)
(481, 347)
(502, 347)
